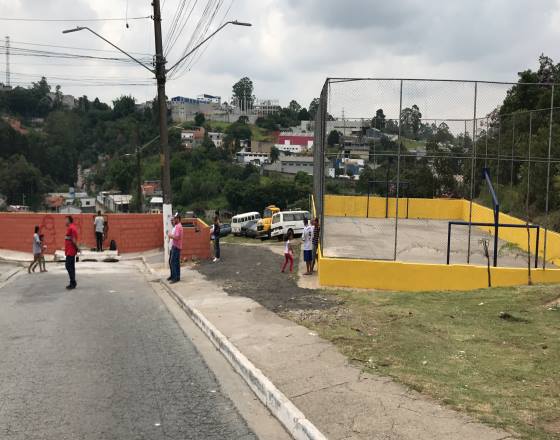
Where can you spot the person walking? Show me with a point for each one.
(316, 235)
(37, 247)
(216, 235)
(288, 252)
(99, 226)
(71, 250)
(176, 237)
(307, 237)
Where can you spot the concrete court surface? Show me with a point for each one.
(104, 361)
(419, 241)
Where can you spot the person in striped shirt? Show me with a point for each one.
(316, 235)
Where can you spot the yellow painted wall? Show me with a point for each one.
(356, 206)
(518, 236)
(390, 275)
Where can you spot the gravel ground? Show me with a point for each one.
(253, 270)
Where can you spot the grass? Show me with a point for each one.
(413, 145)
(257, 133)
(456, 348)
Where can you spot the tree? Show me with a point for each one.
(124, 106)
(378, 120)
(411, 120)
(274, 154)
(333, 138)
(199, 119)
(243, 92)
(243, 119)
(294, 107)
(303, 115)
(313, 107)
(19, 179)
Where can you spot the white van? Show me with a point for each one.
(240, 220)
(283, 221)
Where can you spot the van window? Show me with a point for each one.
(275, 219)
(289, 217)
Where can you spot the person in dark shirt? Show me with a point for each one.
(216, 234)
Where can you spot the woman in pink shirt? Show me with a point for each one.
(176, 237)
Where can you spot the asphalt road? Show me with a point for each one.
(105, 361)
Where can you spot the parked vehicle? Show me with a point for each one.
(238, 221)
(225, 229)
(263, 227)
(283, 221)
(250, 229)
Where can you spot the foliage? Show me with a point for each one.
(199, 119)
(334, 138)
(242, 90)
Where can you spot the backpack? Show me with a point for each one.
(112, 245)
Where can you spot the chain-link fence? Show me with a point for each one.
(438, 171)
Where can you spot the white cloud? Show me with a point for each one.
(294, 45)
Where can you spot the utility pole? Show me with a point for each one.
(139, 178)
(8, 80)
(162, 105)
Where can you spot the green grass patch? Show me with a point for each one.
(412, 145)
(493, 353)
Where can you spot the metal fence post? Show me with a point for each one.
(398, 174)
(512, 144)
(548, 174)
(472, 173)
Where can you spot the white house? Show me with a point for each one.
(217, 138)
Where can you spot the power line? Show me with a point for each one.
(74, 20)
(75, 48)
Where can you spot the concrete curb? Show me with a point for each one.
(278, 404)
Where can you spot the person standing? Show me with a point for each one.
(37, 248)
(288, 252)
(307, 237)
(176, 237)
(316, 235)
(99, 225)
(71, 250)
(216, 235)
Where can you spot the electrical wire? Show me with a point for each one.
(74, 47)
(199, 54)
(61, 20)
(199, 34)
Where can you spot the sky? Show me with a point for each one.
(292, 46)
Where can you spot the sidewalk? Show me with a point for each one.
(338, 398)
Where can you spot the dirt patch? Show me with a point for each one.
(555, 303)
(254, 272)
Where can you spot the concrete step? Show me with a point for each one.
(86, 255)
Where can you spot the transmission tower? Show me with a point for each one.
(8, 61)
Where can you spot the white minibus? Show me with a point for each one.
(283, 221)
(240, 220)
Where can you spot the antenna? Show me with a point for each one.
(8, 60)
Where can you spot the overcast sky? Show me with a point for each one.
(293, 44)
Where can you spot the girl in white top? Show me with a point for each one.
(288, 252)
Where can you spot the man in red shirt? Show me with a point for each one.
(71, 250)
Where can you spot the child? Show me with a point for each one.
(37, 248)
(42, 263)
(288, 252)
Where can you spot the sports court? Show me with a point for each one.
(419, 241)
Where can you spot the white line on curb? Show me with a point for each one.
(279, 405)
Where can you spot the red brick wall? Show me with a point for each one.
(196, 240)
(132, 232)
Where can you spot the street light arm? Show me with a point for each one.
(79, 28)
(237, 23)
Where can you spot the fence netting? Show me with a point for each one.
(430, 170)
